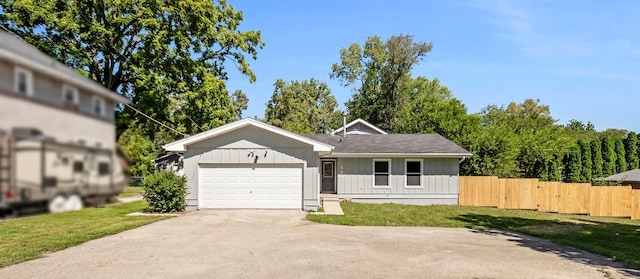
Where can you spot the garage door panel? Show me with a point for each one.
(254, 187)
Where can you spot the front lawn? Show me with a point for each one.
(131, 191)
(28, 238)
(617, 238)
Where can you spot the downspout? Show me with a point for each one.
(462, 159)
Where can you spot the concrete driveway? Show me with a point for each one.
(281, 244)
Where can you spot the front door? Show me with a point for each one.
(328, 177)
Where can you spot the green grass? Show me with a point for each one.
(28, 238)
(617, 238)
(131, 192)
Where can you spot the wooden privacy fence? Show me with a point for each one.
(574, 198)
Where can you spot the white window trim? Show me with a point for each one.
(76, 94)
(421, 173)
(102, 106)
(373, 175)
(29, 76)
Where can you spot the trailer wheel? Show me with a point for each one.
(74, 202)
(57, 204)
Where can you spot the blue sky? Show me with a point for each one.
(580, 57)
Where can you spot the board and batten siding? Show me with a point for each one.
(439, 181)
(240, 148)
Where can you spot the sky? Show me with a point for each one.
(579, 57)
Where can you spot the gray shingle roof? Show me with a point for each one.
(627, 176)
(391, 143)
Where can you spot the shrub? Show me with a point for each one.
(165, 191)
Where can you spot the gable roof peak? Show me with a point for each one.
(358, 121)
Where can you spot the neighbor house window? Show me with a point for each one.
(103, 168)
(413, 173)
(78, 166)
(381, 171)
(97, 106)
(70, 95)
(24, 82)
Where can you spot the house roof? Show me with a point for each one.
(25, 55)
(428, 145)
(359, 121)
(181, 145)
(627, 176)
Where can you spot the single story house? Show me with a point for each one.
(631, 177)
(251, 164)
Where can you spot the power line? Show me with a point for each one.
(172, 129)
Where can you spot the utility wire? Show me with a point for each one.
(172, 129)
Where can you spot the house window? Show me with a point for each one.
(381, 171)
(97, 106)
(78, 166)
(70, 95)
(413, 173)
(103, 168)
(24, 82)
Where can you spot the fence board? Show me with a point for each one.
(635, 203)
(479, 191)
(520, 193)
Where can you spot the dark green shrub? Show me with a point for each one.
(165, 191)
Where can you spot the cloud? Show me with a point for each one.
(526, 29)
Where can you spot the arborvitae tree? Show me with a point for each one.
(596, 155)
(544, 171)
(587, 163)
(554, 170)
(621, 161)
(631, 149)
(608, 156)
(572, 165)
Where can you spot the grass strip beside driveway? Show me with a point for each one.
(28, 238)
(131, 191)
(616, 238)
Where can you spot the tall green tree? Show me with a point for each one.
(608, 156)
(536, 138)
(621, 161)
(597, 161)
(303, 107)
(573, 165)
(631, 150)
(140, 150)
(434, 109)
(554, 170)
(380, 71)
(587, 161)
(168, 56)
(240, 103)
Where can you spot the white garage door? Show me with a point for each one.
(258, 187)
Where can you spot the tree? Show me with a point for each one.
(608, 156)
(621, 162)
(554, 170)
(240, 103)
(140, 149)
(303, 107)
(381, 70)
(587, 163)
(631, 150)
(433, 109)
(168, 56)
(573, 165)
(597, 161)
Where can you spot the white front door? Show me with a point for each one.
(250, 187)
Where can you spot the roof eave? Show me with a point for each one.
(89, 84)
(402, 155)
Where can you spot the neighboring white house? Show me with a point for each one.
(57, 132)
(250, 164)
